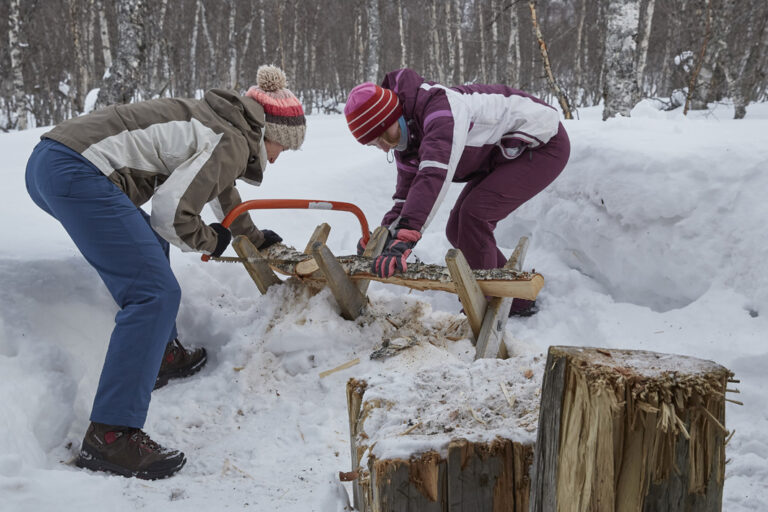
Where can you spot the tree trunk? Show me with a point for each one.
(458, 13)
(19, 95)
(483, 43)
(80, 79)
(106, 45)
(493, 76)
(513, 48)
(359, 72)
(673, 28)
(262, 31)
(232, 46)
(374, 41)
(471, 477)
(212, 67)
(696, 97)
(193, 53)
(122, 84)
(436, 65)
(293, 71)
(629, 431)
(642, 44)
(578, 70)
(747, 75)
(401, 33)
(556, 89)
(620, 77)
(244, 50)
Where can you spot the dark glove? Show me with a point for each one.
(396, 251)
(270, 239)
(224, 237)
(361, 245)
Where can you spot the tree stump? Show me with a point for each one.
(465, 474)
(629, 431)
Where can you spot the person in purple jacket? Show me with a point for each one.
(505, 144)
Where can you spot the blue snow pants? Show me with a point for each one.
(132, 260)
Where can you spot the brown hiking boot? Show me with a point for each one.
(523, 307)
(128, 452)
(179, 362)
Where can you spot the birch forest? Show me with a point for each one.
(61, 58)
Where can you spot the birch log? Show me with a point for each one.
(420, 276)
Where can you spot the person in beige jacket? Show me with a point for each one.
(93, 173)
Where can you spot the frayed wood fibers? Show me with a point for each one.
(619, 434)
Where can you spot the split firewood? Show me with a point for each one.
(419, 276)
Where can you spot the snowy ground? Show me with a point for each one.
(653, 238)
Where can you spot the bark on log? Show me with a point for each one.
(629, 431)
(472, 477)
(420, 276)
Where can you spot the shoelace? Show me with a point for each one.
(142, 438)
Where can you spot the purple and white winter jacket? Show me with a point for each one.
(454, 134)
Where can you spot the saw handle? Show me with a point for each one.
(304, 204)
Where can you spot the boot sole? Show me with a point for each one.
(178, 374)
(88, 461)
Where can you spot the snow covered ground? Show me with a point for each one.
(655, 237)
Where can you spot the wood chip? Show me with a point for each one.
(340, 367)
(510, 398)
(410, 429)
(474, 415)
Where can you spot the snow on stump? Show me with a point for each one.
(624, 430)
(449, 439)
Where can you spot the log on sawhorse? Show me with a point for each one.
(317, 264)
(323, 266)
(487, 318)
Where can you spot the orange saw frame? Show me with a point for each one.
(301, 204)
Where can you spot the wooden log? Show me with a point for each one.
(469, 292)
(468, 477)
(255, 264)
(420, 276)
(349, 298)
(373, 249)
(629, 431)
(490, 339)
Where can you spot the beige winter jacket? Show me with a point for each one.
(182, 153)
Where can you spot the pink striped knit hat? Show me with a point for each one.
(285, 122)
(370, 110)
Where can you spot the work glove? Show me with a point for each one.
(396, 251)
(270, 239)
(361, 245)
(224, 236)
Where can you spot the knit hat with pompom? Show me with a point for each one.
(284, 114)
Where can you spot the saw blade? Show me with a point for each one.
(236, 259)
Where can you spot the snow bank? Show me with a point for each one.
(653, 238)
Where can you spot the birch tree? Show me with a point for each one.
(122, 83)
(106, 45)
(513, 47)
(642, 44)
(401, 32)
(19, 95)
(619, 76)
(458, 11)
(232, 45)
(374, 41)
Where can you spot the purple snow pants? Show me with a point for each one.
(487, 200)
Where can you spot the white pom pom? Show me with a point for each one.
(270, 78)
